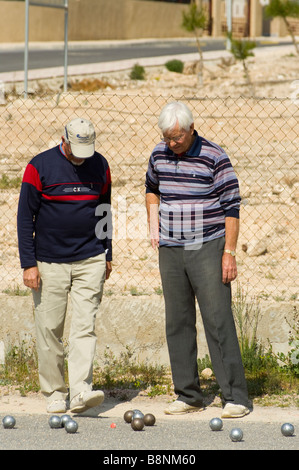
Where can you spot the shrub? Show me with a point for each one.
(175, 66)
(137, 72)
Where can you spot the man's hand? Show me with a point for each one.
(31, 278)
(229, 268)
(229, 263)
(108, 269)
(152, 207)
(154, 236)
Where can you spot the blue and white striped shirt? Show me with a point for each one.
(197, 191)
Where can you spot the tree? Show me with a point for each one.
(194, 20)
(284, 9)
(241, 50)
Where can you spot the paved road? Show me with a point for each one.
(95, 433)
(12, 58)
(185, 433)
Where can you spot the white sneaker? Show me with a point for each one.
(85, 400)
(234, 411)
(56, 406)
(179, 407)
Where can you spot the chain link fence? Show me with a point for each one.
(259, 135)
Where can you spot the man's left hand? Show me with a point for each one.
(229, 268)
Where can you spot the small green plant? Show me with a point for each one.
(126, 372)
(135, 292)
(290, 360)
(137, 72)
(263, 369)
(20, 368)
(17, 291)
(10, 183)
(204, 363)
(194, 21)
(247, 315)
(159, 389)
(175, 65)
(158, 290)
(242, 50)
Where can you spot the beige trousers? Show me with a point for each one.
(82, 282)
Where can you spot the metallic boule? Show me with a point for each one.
(64, 419)
(71, 426)
(236, 434)
(55, 422)
(287, 429)
(8, 422)
(216, 424)
(149, 419)
(128, 416)
(137, 424)
(137, 414)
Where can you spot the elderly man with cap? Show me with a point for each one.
(64, 233)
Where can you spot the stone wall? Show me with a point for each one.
(137, 322)
(92, 20)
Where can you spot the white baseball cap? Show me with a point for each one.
(80, 134)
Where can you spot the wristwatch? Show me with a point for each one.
(231, 252)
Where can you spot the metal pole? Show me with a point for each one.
(65, 42)
(26, 49)
(229, 22)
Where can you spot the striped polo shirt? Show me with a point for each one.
(197, 191)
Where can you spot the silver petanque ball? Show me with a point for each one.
(287, 429)
(236, 434)
(71, 426)
(137, 414)
(55, 422)
(216, 424)
(8, 422)
(64, 419)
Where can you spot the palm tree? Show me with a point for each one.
(284, 9)
(241, 50)
(194, 20)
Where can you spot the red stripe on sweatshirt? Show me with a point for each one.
(31, 176)
(108, 181)
(70, 198)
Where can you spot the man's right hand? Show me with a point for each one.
(31, 277)
(152, 207)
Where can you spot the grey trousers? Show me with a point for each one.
(190, 274)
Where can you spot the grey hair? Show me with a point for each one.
(174, 112)
(65, 135)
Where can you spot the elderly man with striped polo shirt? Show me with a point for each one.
(193, 201)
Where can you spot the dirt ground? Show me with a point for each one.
(115, 407)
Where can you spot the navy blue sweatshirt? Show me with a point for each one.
(62, 208)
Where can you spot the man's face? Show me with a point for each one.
(68, 152)
(179, 140)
